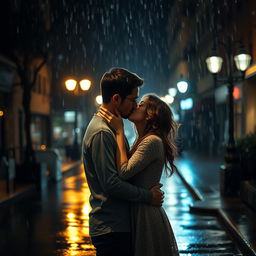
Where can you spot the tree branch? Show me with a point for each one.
(37, 69)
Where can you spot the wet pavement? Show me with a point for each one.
(56, 222)
(53, 223)
(195, 234)
(202, 176)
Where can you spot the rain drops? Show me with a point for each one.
(97, 35)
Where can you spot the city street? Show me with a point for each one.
(56, 223)
(183, 70)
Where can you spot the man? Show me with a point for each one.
(109, 220)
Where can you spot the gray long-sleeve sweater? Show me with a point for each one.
(110, 196)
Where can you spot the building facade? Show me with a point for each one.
(195, 28)
(23, 69)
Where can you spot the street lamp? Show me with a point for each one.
(71, 86)
(85, 84)
(172, 91)
(99, 99)
(182, 85)
(229, 173)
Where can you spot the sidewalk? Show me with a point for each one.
(201, 176)
(22, 190)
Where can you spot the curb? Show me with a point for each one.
(193, 191)
(234, 233)
(33, 187)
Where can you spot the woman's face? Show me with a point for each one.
(139, 115)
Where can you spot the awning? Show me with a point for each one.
(251, 71)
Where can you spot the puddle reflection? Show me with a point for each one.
(76, 218)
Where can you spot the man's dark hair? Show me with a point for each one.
(118, 81)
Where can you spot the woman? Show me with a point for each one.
(153, 149)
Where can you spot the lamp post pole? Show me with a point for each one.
(229, 174)
(76, 151)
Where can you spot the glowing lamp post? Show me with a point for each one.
(229, 173)
(182, 86)
(85, 84)
(214, 64)
(71, 86)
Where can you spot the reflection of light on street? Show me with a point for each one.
(77, 218)
(74, 246)
(187, 171)
(183, 195)
(87, 246)
(72, 235)
(183, 247)
(85, 216)
(86, 209)
(71, 215)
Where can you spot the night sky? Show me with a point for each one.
(85, 38)
(93, 35)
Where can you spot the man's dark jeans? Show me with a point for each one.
(113, 244)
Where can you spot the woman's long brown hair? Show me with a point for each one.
(161, 123)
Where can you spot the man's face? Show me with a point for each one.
(129, 103)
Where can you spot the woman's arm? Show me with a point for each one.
(147, 151)
(121, 153)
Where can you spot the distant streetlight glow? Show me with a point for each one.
(85, 84)
(169, 99)
(43, 147)
(182, 86)
(99, 99)
(172, 91)
(186, 104)
(69, 116)
(70, 84)
(237, 93)
(1, 112)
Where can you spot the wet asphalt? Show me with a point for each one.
(195, 234)
(55, 222)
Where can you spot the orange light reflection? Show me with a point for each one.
(77, 219)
